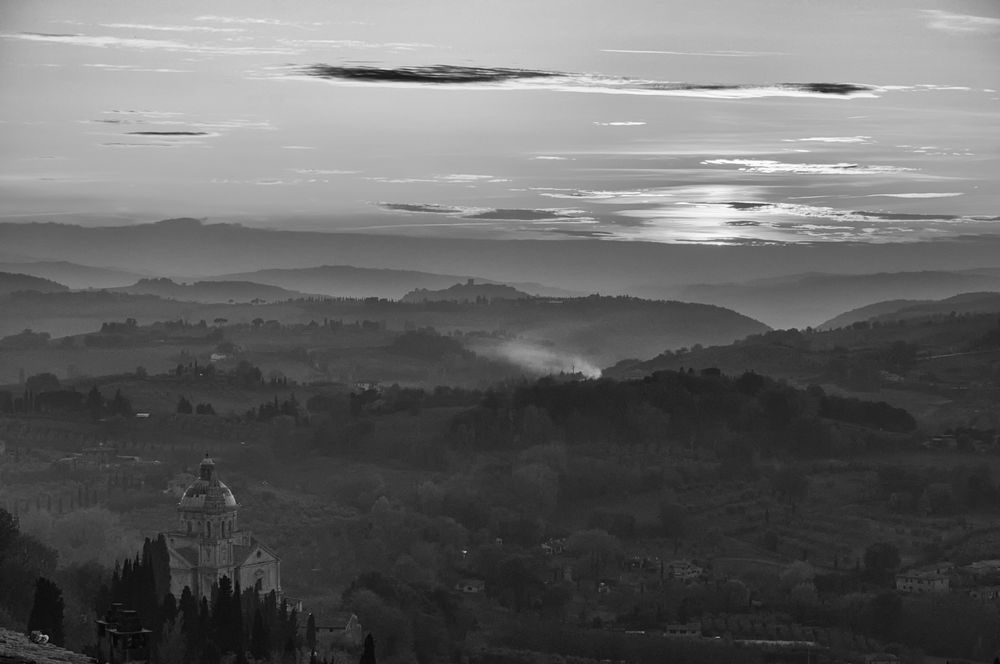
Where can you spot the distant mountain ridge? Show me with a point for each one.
(193, 249)
(11, 282)
(208, 291)
(350, 281)
(964, 303)
(73, 275)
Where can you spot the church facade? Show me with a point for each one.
(209, 543)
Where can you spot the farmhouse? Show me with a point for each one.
(923, 581)
(209, 543)
(683, 631)
(985, 593)
(471, 586)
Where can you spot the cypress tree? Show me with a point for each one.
(260, 646)
(222, 617)
(368, 656)
(47, 611)
(236, 620)
(168, 610)
(160, 557)
(311, 634)
(188, 609)
(204, 626)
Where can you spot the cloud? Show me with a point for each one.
(546, 157)
(710, 54)
(247, 20)
(831, 139)
(531, 79)
(929, 194)
(961, 24)
(169, 28)
(322, 171)
(422, 207)
(714, 221)
(771, 166)
(620, 123)
(629, 196)
(526, 214)
(137, 68)
(142, 44)
(173, 144)
(467, 179)
(354, 44)
(170, 133)
(482, 214)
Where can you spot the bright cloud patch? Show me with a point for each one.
(831, 139)
(961, 24)
(771, 166)
(145, 44)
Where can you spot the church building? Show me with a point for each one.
(209, 544)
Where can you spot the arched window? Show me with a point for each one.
(189, 527)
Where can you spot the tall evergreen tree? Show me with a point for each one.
(204, 628)
(160, 558)
(236, 622)
(226, 620)
(368, 656)
(311, 633)
(187, 608)
(168, 610)
(47, 612)
(95, 403)
(260, 641)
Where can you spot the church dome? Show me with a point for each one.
(207, 493)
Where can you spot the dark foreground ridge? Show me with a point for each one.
(16, 648)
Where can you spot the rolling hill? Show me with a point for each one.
(808, 299)
(467, 292)
(350, 281)
(11, 282)
(73, 274)
(209, 291)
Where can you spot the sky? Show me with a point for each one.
(726, 122)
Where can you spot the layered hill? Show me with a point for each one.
(898, 310)
(467, 292)
(941, 366)
(350, 281)
(11, 282)
(73, 274)
(192, 249)
(565, 332)
(209, 291)
(804, 300)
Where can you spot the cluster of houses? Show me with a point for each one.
(945, 577)
(980, 442)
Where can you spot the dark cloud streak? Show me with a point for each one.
(459, 75)
(429, 74)
(168, 133)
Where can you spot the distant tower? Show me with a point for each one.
(209, 543)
